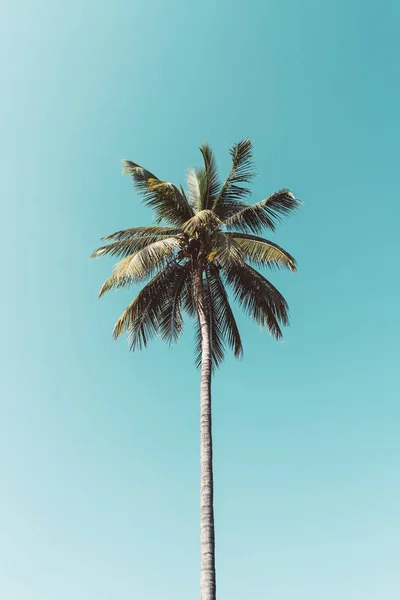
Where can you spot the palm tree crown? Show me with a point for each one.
(211, 230)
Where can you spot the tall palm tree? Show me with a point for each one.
(207, 243)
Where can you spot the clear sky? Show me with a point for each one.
(99, 448)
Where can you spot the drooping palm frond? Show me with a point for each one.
(142, 318)
(165, 198)
(221, 321)
(230, 329)
(141, 264)
(178, 297)
(258, 297)
(263, 214)
(189, 294)
(119, 276)
(232, 195)
(215, 326)
(263, 252)
(223, 247)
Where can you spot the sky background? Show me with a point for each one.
(99, 448)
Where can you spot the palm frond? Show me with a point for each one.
(130, 245)
(222, 324)
(263, 252)
(142, 318)
(119, 277)
(232, 195)
(184, 194)
(258, 297)
(203, 220)
(217, 344)
(150, 258)
(263, 214)
(222, 247)
(171, 320)
(212, 182)
(165, 198)
(242, 162)
(230, 330)
(150, 231)
(141, 264)
(189, 295)
(197, 187)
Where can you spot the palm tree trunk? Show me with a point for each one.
(207, 534)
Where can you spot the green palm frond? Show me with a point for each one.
(263, 214)
(242, 162)
(258, 297)
(165, 198)
(222, 324)
(171, 320)
(141, 319)
(141, 264)
(153, 232)
(217, 342)
(232, 195)
(212, 182)
(189, 295)
(130, 245)
(230, 330)
(223, 247)
(150, 258)
(119, 276)
(263, 252)
(203, 220)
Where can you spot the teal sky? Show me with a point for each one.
(99, 448)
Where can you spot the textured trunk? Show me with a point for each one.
(207, 535)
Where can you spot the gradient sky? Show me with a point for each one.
(99, 448)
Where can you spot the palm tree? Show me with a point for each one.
(207, 243)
